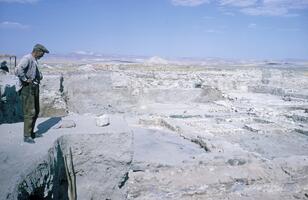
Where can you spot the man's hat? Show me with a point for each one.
(39, 47)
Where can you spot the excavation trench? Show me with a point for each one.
(87, 166)
(48, 180)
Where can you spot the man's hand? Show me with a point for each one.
(29, 81)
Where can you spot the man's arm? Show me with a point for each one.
(21, 69)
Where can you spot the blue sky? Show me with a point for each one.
(238, 29)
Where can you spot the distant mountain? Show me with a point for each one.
(92, 57)
(157, 60)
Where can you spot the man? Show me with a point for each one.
(29, 78)
(4, 66)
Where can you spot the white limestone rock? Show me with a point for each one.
(66, 124)
(102, 120)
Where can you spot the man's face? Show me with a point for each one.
(39, 54)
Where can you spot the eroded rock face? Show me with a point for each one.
(53, 97)
(101, 165)
(209, 94)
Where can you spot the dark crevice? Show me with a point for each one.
(285, 171)
(201, 143)
(185, 116)
(302, 131)
(176, 129)
(138, 170)
(124, 180)
(47, 181)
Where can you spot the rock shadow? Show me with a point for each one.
(48, 124)
(10, 105)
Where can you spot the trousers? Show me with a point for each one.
(30, 106)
